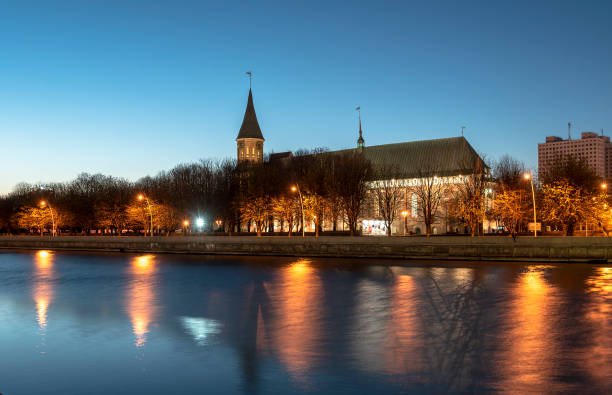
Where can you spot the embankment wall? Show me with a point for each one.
(547, 249)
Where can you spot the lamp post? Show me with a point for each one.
(405, 215)
(604, 187)
(143, 197)
(186, 226)
(296, 188)
(535, 222)
(44, 204)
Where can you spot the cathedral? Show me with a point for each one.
(446, 160)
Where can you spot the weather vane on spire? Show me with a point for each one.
(250, 78)
(463, 127)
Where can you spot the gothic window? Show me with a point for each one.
(414, 206)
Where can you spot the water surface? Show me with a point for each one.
(157, 324)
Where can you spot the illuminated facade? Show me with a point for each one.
(445, 162)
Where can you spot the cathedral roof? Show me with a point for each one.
(250, 126)
(414, 159)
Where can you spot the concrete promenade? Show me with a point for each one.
(541, 249)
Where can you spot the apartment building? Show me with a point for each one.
(594, 148)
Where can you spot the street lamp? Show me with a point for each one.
(296, 188)
(44, 204)
(535, 222)
(405, 215)
(143, 197)
(186, 226)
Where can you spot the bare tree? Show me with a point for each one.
(470, 196)
(353, 172)
(429, 192)
(387, 195)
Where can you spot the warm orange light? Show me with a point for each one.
(43, 203)
(604, 186)
(140, 197)
(186, 223)
(293, 189)
(405, 213)
(140, 299)
(527, 176)
(43, 289)
(143, 263)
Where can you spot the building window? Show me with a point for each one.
(414, 206)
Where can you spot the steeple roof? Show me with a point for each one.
(250, 126)
(360, 140)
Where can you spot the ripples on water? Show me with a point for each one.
(86, 323)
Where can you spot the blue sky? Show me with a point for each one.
(130, 88)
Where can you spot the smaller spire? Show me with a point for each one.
(360, 140)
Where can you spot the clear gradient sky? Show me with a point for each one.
(129, 88)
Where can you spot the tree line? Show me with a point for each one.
(568, 195)
(226, 196)
(328, 190)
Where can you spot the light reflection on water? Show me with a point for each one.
(599, 317)
(281, 325)
(298, 296)
(141, 301)
(43, 286)
(530, 347)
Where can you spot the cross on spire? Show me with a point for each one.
(250, 78)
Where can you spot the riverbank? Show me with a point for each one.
(541, 249)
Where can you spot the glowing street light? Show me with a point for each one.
(405, 215)
(143, 197)
(44, 204)
(296, 188)
(199, 223)
(535, 222)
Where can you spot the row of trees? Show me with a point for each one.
(570, 193)
(311, 187)
(227, 196)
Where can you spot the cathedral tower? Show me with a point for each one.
(250, 140)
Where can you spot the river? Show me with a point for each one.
(76, 323)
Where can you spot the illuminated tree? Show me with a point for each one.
(35, 217)
(163, 217)
(470, 197)
(256, 210)
(511, 208)
(572, 193)
(285, 207)
(564, 204)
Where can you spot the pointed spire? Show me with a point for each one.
(360, 140)
(250, 126)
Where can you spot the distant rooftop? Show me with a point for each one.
(583, 136)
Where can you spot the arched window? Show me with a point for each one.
(414, 206)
